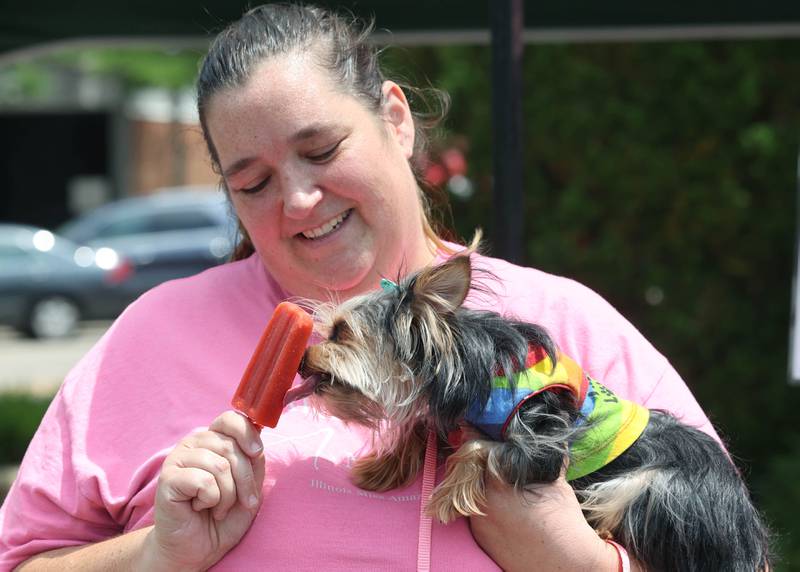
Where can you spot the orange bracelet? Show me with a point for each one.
(622, 554)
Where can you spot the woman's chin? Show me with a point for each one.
(334, 283)
(343, 287)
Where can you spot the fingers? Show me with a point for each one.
(239, 428)
(192, 484)
(217, 468)
(239, 466)
(245, 438)
(259, 469)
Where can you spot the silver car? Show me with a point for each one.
(48, 284)
(173, 233)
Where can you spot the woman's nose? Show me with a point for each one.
(299, 199)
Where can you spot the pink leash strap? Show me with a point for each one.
(425, 521)
(622, 555)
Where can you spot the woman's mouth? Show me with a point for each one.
(326, 228)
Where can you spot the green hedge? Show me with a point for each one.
(663, 175)
(20, 415)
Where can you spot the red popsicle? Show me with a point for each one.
(273, 365)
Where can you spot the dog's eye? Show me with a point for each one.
(340, 332)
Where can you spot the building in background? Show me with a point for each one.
(163, 144)
(84, 139)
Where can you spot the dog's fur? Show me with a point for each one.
(411, 358)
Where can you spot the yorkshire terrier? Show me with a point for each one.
(411, 358)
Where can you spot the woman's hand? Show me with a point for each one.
(542, 530)
(208, 494)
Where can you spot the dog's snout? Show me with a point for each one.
(307, 368)
(303, 369)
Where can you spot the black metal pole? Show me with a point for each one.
(506, 18)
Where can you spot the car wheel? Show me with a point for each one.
(53, 317)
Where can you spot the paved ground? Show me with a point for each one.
(40, 366)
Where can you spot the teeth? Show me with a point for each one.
(326, 228)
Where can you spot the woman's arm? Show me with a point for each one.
(124, 552)
(208, 494)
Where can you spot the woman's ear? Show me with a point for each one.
(397, 115)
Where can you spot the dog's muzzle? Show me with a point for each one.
(312, 378)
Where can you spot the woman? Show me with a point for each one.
(316, 152)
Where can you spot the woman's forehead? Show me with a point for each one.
(289, 90)
(284, 83)
(286, 100)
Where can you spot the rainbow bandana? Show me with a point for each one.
(614, 423)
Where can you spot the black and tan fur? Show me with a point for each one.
(412, 358)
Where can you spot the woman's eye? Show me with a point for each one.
(326, 153)
(255, 188)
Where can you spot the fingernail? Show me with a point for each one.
(252, 501)
(256, 447)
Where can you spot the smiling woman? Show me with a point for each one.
(298, 159)
(317, 153)
(296, 128)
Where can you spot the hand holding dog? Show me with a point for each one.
(208, 494)
(541, 530)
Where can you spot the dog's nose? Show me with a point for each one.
(305, 369)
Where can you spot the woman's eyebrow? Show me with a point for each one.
(239, 165)
(312, 131)
(303, 134)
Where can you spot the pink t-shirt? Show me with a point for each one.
(169, 366)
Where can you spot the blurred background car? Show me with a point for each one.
(49, 284)
(173, 233)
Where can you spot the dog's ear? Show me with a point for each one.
(445, 286)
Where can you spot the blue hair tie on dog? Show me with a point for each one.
(388, 285)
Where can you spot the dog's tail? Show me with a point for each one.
(605, 504)
(676, 502)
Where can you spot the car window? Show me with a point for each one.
(10, 254)
(123, 226)
(13, 259)
(181, 220)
